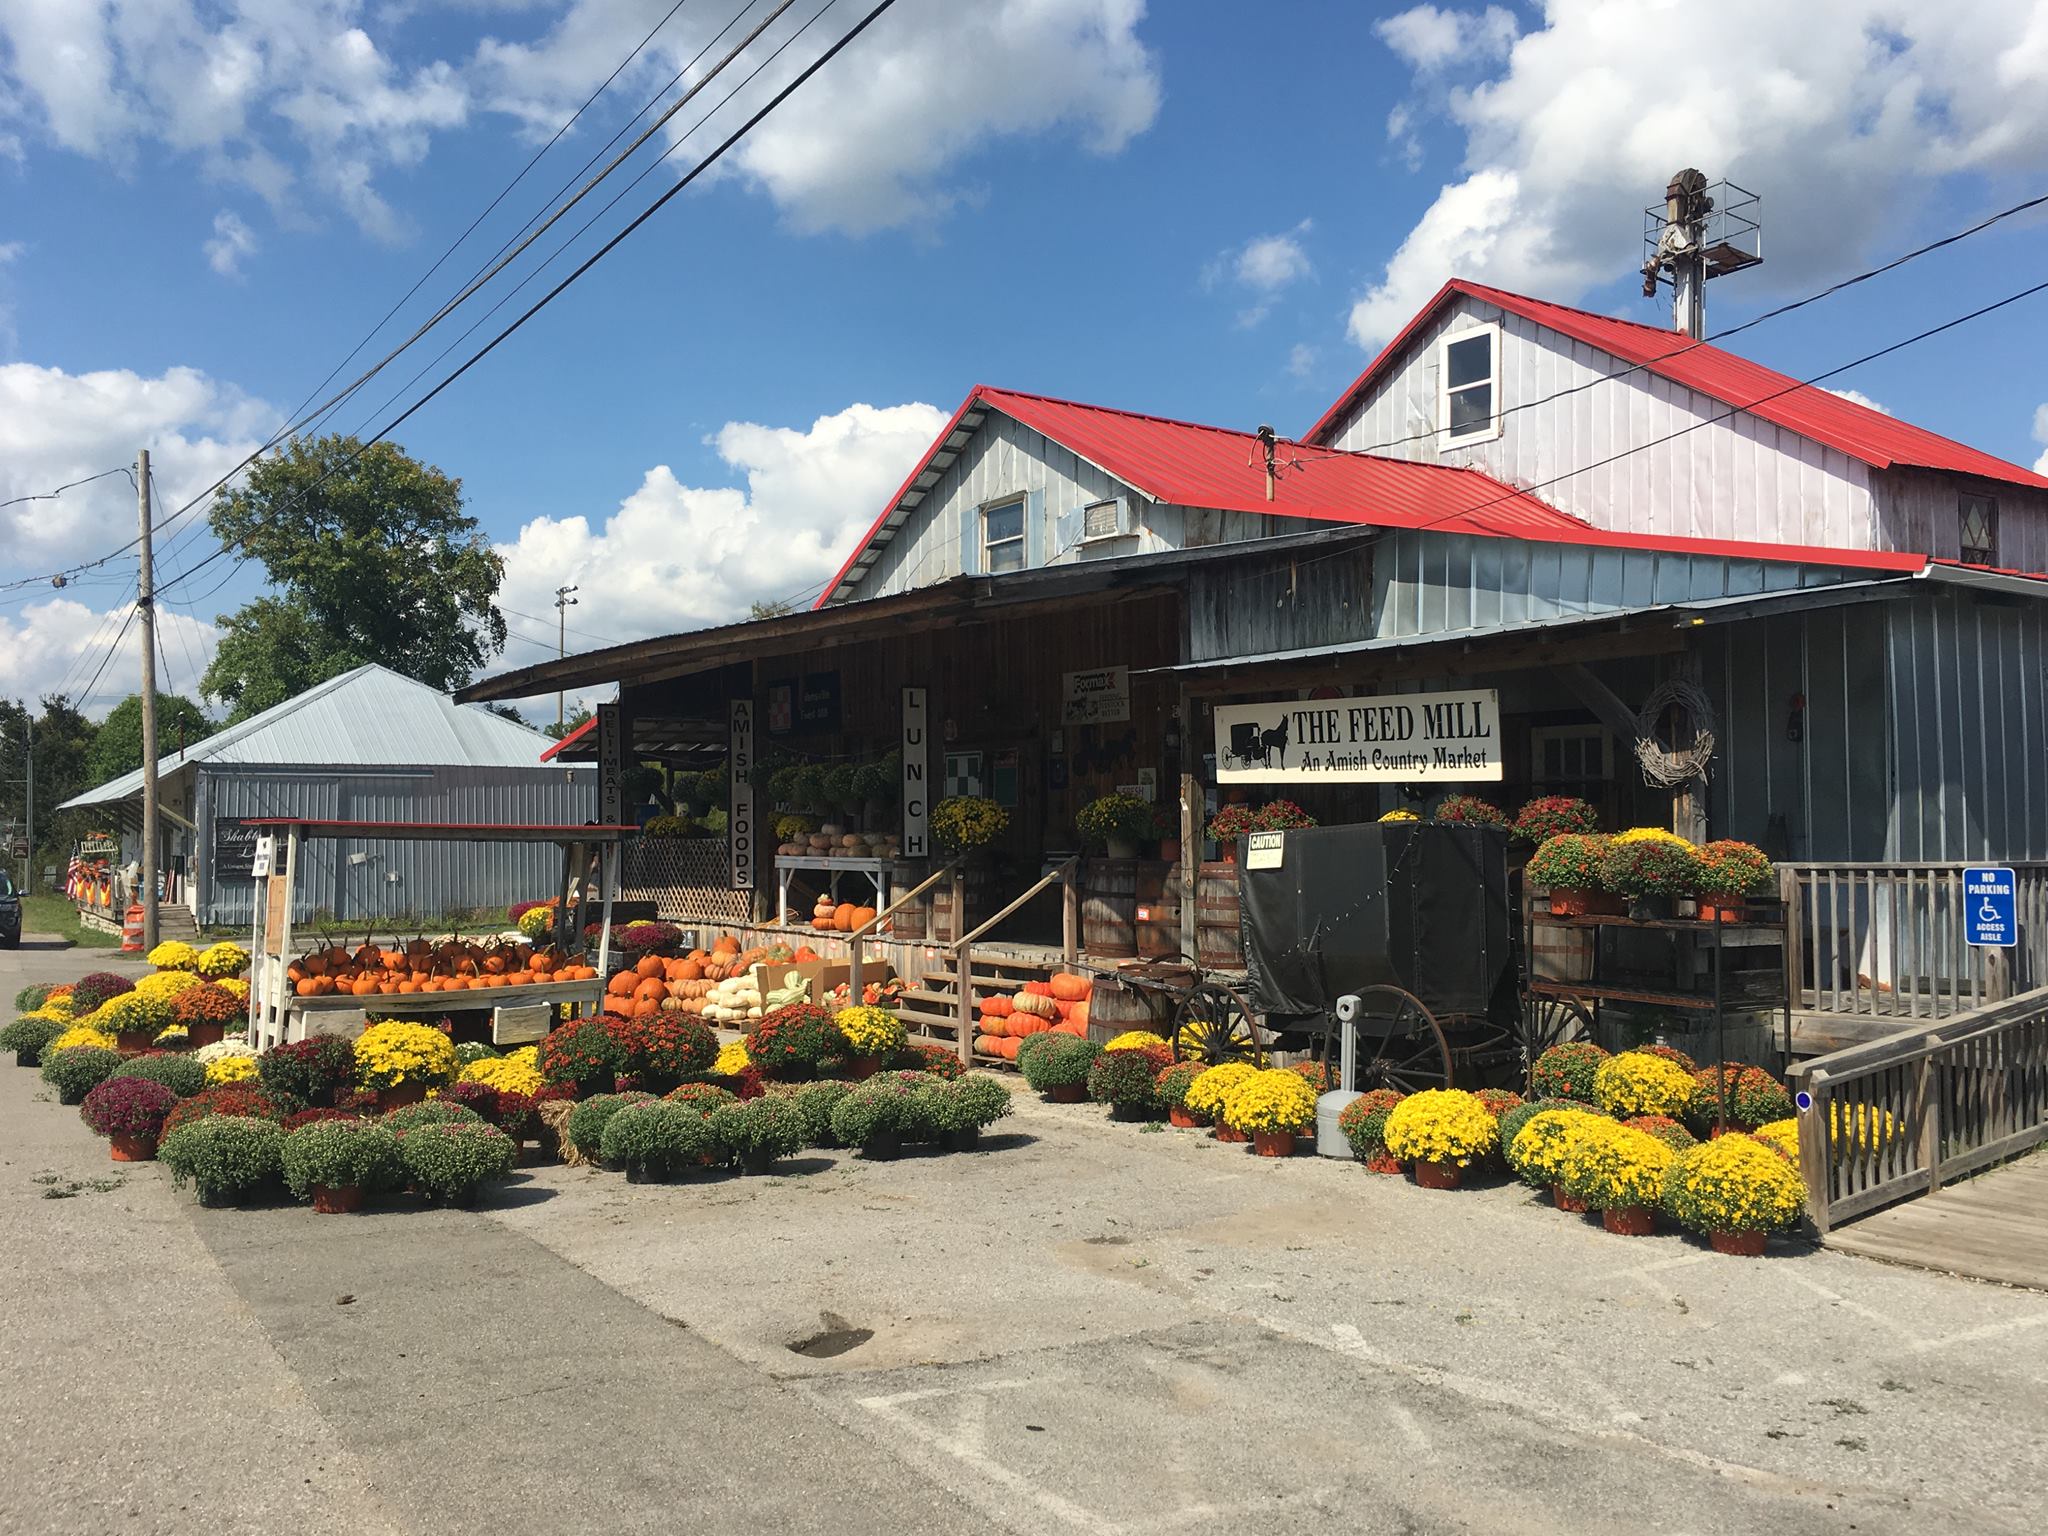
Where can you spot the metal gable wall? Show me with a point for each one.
(1736, 478)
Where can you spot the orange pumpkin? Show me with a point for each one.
(622, 984)
(308, 986)
(726, 945)
(997, 1007)
(804, 952)
(1070, 989)
(988, 1045)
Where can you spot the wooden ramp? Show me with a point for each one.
(1991, 1227)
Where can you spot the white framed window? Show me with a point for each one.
(1002, 537)
(1468, 390)
(1977, 527)
(1570, 754)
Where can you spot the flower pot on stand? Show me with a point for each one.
(1565, 1202)
(1629, 1220)
(132, 1149)
(1746, 1245)
(1120, 848)
(1169, 849)
(1571, 901)
(1273, 1143)
(1649, 908)
(1225, 1132)
(1439, 1175)
(861, 1068)
(1066, 1093)
(1721, 909)
(337, 1200)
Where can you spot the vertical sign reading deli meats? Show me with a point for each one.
(1402, 737)
(741, 842)
(611, 767)
(916, 781)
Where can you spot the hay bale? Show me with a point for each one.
(554, 1118)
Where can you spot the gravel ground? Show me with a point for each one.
(1084, 1326)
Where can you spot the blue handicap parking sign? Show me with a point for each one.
(1990, 908)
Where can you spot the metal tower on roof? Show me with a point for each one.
(1699, 231)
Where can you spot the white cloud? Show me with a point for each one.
(1265, 266)
(1861, 399)
(1301, 360)
(62, 646)
(232, 241)
(2041, 436)
(874, 139)
(1429, 39)
(676, 557)
(9, 249)
(1840, 112)
(57, 427)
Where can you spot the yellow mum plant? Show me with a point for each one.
(1637, 1083)
(392, 1054)
(1651, 835)
(1537, 1152)
(511, 1073)
(236, 985)
(219, 961)
(732, 1059)
(57, 1006)
(80, 1034)
(1400, 815)
(1208, 1093)
(1275, 1100)
(1441, 1125)
(1781, 1136)
(1134, 1040)
(164, 985)
(1734, 1184)
(230, 1069)
(1610, 1166)
(174, 955)
(870, 1031)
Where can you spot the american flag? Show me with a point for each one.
(74, 877)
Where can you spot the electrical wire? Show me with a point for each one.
(72, 485)
(616, 240)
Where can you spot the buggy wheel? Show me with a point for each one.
(1213, 1026)
(1484, 1054)
(1548, 1021)
(1400, 1044)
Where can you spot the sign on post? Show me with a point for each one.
(1991, 908)
(916, 771)
(611, 766)
(1398, 738)
(264, 856)
(741, 843)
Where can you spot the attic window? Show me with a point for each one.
(1002, 537)
(1978, 526)
(1470, 374)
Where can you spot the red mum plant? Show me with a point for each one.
(1497, 1101)
(1232, 822)
(128, 1106)
(89, 992)
(637, 939)
(1753, 1097)
(664, 1048)
(1315, 1073)
(1566, 1072)
(318, 1069)
(924, 1056)
(789, 1042)
(1469, 811)
(1282, 816)
(1670, 1053)
(582, 1054)
(314, 1116)
(702, 1097)
(208, 1003)
(231, 1099)
(1549, 816)
(1665, 1129)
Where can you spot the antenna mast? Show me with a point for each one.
(1695, 235)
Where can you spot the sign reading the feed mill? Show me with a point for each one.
(1403, 737)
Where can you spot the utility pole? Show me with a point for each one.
(28, 865)
(145, 608)
(563, 603)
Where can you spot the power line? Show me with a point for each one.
(112, 650)
(612, 244)
(119, 469)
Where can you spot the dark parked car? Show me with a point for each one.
(10, 913)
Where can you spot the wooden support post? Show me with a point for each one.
(1070, 912)
(853, 949)
(964, 980)
(1927, 1104)
(1191, 828)
(1815, 1151)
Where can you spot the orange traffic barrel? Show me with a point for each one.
(131, 930)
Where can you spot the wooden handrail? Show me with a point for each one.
(854, 939)
(963, 952)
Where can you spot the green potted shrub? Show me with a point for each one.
(1364, 1124)
(1172, 1086)
(28, 1035)
(1127, 1081)
(655, 1140)
(319, 1070)
(1730, 874)
(1117, 821)
(408, 1117)
(815, 1101)
(227, 1158)
(177, 1072)
(450, 1163)
(335, 1163)
(78, 1069)
(966, 1108)
(1568, 867)
(129, 1112)
(587, 1121)
(1057, 1065)
(758, 1132)
(875, 1116)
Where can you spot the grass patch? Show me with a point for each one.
(45, 913)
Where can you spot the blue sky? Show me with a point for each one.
(1197, 208)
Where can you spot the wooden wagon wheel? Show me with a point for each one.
(1213, 1025)
(1548, 1021)
(1484, 1052)
(1400, 1044)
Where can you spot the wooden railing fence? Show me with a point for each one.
(1901, 1116)
(1889, 940)
(858, 938)
(1067, 877)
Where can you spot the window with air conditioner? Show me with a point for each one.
(1469, 385)
(1105, 520)
(1002, 537)
(1978, 526)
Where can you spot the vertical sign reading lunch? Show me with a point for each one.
(611, 766)
(741, 841)
(916, 780)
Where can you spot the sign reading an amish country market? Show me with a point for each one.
(1402, 737)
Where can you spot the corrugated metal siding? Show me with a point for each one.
(1738, 478)
(432, 877)
(1921, 510)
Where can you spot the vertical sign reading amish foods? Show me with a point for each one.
(1403, 737)
(741, 842)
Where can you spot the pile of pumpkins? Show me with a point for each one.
(835, 842)
(715, 984)
(453, 965)
(1008, 1020)
(831, 916)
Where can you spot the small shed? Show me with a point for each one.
(372, 746)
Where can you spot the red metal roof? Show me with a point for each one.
(1810, 410)
(578, 734)
(1196, 466)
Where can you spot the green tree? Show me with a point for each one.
(375, 561)
(575, 722)
(773, 608)
(63, 740)
(117, 745)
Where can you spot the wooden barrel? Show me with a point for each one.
(1558, 953)
(1158, 912)
(911, 920)
(1109, 909)
(1113, 1009)
(1218, 943)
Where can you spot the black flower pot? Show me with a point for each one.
(756, 1163)
(882, 1148)
(28, 1058)
(963, 1141)
(1646, 909)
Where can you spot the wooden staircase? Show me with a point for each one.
(176, 922)
(931, 1009)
